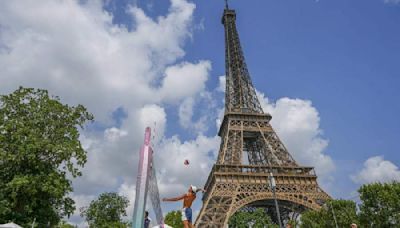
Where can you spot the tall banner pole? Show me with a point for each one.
(142, 181)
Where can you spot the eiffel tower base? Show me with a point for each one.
(245, 187)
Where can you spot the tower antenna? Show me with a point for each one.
(226, 4)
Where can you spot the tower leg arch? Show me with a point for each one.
(288, 210)
(229, 189)
(287, 200)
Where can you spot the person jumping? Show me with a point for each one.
(188, 199)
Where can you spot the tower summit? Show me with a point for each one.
(241, 102)
(240, 94)
(250, 152)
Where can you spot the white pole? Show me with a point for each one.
(334, 216)
(33, 223)
(273, 186)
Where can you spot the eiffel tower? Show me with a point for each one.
(250, 152)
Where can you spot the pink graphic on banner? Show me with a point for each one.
(146, 182)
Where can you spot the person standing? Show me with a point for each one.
(188, 199)
(147, 220)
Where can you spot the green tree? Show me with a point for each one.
(174, 219)
(258, 219)
(64, 224)
(380, 205)
(344, 210)
(106, 211)
(40, 148)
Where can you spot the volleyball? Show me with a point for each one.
(186, 162)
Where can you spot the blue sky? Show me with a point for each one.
(328, 72)
(342, 55)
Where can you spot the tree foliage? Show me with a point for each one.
(64, 224)
(174, 219)
(381, 205)
(257, 218)
(344, 210)
(40, 146)
(106, 211)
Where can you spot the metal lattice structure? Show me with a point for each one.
(155, 196)
(250, 150)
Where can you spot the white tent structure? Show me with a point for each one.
(10, 225)
(165, 226)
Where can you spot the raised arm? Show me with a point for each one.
(174, 199)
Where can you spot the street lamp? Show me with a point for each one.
(251, 224)
(273, 186)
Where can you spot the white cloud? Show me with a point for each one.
(222, 84)
(185, 80)
(80, 202)
(129, 191)
(206, 110)
(75, 51)
(220, 117)
(376, 169)
(392, 1)
(110, 161)
(152, 116)
(297, 123)
(174, 176)
(186, 112)
(113, 134)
